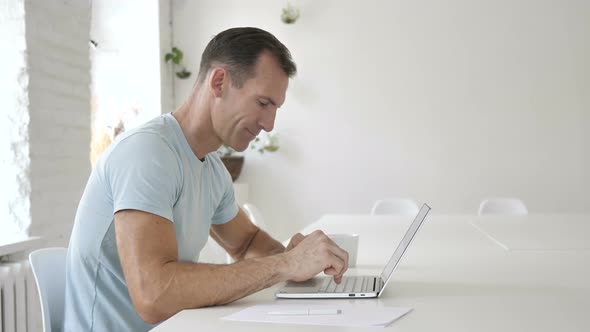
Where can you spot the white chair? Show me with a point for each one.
(503, 206)
(397, 206)
(49, 269)
(255, 215)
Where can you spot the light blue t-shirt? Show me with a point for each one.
(151, 168)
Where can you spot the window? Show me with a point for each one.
(15, 187)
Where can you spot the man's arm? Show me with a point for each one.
(242, 239)
(160, 286)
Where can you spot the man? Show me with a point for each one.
(160, 190)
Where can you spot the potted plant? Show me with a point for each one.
(234, 161)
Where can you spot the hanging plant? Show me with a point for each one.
(290, 14)
(176, 57)
(270, 144)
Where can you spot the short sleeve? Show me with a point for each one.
(228, 208)
(144, 173)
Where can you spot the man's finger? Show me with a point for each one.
(295, 240)
(345, 265)
(335, 268)
(342, 256)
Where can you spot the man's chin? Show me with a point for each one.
(239, 145)
(240, 148)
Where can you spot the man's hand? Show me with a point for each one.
(295, 240)
(316, 252)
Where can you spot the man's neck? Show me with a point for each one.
(194, 118)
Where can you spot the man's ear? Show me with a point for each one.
(218, 80)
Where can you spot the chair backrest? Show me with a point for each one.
(255, 215)
(503, 206)
(49, 269)
(397, 206)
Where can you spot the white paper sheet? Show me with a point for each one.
(351, 315)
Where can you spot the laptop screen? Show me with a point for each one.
(404, 243)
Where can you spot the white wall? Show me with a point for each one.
(445, 102)
(59, 101)
(166, 73)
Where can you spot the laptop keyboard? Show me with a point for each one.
(351, 284)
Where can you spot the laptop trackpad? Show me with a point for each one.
(309, 286)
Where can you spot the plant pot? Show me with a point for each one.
(234, 165)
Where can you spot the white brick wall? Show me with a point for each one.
(57, 35)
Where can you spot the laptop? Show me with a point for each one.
(353, 286)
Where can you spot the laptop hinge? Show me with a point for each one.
(380, 284)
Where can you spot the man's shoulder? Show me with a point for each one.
(144, 145)
(156, 134)
(159, 127)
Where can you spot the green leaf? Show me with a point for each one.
(178, 53)
(168, 57)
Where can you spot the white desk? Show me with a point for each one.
(454, 276)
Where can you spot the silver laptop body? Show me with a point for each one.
(354, 286)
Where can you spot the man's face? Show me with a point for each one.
(240, 114)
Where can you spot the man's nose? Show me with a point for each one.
(267, 120)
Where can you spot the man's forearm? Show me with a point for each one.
(190, 285)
